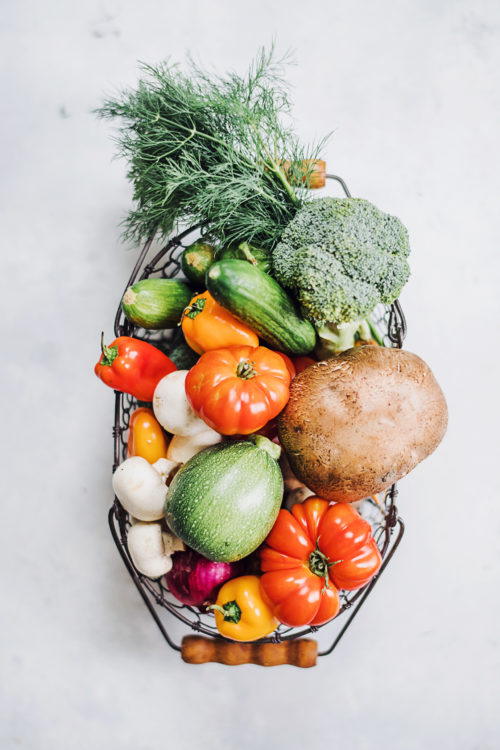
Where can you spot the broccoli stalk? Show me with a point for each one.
(333, 338)
(340, 257)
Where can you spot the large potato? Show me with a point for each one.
(360, 421)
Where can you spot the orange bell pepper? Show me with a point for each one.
(207, 325)
(146, 437)
(242, 612)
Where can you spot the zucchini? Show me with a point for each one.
(183, 357)
(195, 262)
(156, 303)
(259, 301)
(224, 501)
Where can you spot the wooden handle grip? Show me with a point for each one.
(314, 168)
(299, 653)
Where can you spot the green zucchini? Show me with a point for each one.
(183, 357)
(195, 261)
(156, 303)
(224, 501)
(259, 301)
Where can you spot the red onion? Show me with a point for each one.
(194, 580)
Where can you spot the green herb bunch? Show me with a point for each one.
(212, 151)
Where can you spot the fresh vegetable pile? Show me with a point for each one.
(276, 406)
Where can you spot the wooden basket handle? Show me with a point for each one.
(299, 653)
(316, 168)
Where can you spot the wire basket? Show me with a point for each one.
(387, 526)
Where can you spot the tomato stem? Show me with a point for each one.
(246, 370)
(319, 565)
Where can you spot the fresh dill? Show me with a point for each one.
(211, 150)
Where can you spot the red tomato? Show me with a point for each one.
(311, 552)
(236, 391)
(302, 363)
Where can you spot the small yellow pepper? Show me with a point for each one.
(241, 613)
(146, 437)
(207, 325)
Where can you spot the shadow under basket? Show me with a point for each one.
(286, 645)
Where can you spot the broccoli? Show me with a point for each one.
(340, 257)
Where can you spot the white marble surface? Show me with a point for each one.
(411, 91)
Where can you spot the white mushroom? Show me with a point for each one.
(151, 548)
(140, 489)
(297, 495)
(290, 481)
(182, 448)
(171, 407)
(165, 467)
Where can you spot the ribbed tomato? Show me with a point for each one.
(312, 551)
(237, 390)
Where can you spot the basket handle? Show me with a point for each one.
(316, 168)
(301, 652)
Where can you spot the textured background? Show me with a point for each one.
(411, 92)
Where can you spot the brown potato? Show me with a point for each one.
(360, 421)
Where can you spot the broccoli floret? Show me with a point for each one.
(340, 257)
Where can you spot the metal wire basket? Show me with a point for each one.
(387, 526)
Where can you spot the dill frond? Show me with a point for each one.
(209, 150)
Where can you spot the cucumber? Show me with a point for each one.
(156, 303)
(259, 301)
(195, 261)
(224, 501)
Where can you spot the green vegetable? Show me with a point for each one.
(212, 150)
(259, 301)
(224, 501)
(182, 355)
(340, 257)
(257, 256)
(156, 303)
(333, 338)
(196, 260)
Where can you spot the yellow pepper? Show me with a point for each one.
(146, 437)
(241, 613)
(207, 325)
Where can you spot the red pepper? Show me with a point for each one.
(132, 366)
(302, 363)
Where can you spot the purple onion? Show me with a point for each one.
(194, 580)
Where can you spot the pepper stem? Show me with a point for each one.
(230, 611)
(195, 309)
(109, 353)
(245, 370)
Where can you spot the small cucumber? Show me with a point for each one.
(156, 303)
(195, 261)
(259, 301)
